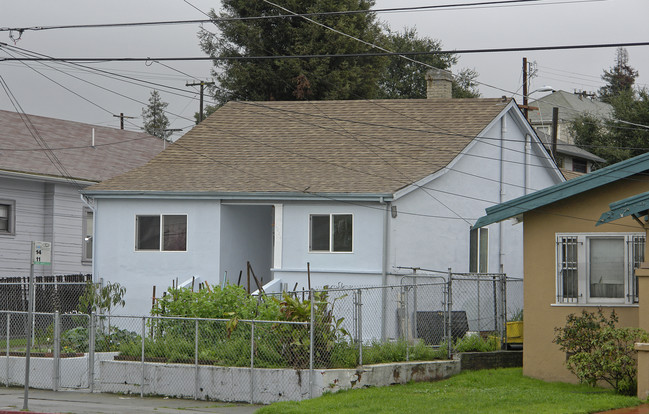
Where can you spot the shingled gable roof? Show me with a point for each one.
(549, 195)
(115, 152)
(332, 147)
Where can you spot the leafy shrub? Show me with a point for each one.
(599, 351)
(76, 339)
(475, 343)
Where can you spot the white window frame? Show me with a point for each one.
(331, 233)
(11, 217)
(580, 294)
(87, 239)
(161, 232)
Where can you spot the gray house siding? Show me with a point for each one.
(47, 212)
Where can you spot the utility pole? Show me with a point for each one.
(525, 82)
(202, 84)
(121, 117)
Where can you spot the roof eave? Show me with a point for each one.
(243, 196)
(563, 190)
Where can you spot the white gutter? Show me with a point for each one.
(503, 132)
(384, 269)
(528, 155)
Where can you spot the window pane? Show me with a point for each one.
(607, 268)
(342, 232)
(484, 251)
(87, 251)
(569, 275)
(175, 233)
(4, 218)
(320, 233)
(148, 233)
(473, 250)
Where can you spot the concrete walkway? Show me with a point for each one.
(77, 402)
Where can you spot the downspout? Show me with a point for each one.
(384, 269)
(94, 228)
(528, 150)
(503, 132)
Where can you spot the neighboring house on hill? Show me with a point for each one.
(354, 188)
(571, 106)
(572, 160)
(40, 202)
(574, 260)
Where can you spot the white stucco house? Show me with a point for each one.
(356, 189)
(44, 163)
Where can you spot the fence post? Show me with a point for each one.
(407, 320)
(56, 352)
(8, 343)
(414, 313)
(252, 363)
(503, 285)
(196, 382)
(449, 305)
(360, 328)
(312, 344)
(142, 357)
(91, 351)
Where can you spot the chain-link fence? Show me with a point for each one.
(423, 317)
(52, 293)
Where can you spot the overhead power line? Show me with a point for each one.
(473, 5)
(335, 55)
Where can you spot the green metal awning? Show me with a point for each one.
(636, 206)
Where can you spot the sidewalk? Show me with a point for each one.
(78, 402)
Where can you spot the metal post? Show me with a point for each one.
(449, 304)
(479, 321)
(30, 328)
(360, 327)
(405, 302)
(503, 284)
(252, 363)
(312, 344)
(196, 361)
(56, 371)
(414, 312)
(91, 351)
(142, 357)
(7, 357)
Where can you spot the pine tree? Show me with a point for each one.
(155, 121)
(619, 79)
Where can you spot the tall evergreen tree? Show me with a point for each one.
(619, 79)
(154, 119)
(623, 136)
(317, 78)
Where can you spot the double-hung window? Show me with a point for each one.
(330, 232)
(598, 268)
(479, 250)
(7, 217)
(161, 232)
(88, 234)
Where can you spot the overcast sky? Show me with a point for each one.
(541, 23)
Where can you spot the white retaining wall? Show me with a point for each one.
(267, 385)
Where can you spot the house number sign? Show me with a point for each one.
(41, 253)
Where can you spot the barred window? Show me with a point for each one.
(598, 267)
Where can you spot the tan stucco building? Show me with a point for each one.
(571, 263)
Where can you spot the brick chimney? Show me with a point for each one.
(438, 84)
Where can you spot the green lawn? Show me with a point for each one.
(488, 391)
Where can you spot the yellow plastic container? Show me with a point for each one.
(515, 332)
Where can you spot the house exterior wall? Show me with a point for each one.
(117, 261)
(361, 267)
(43, 212)
(433, 222)
(542, 358)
